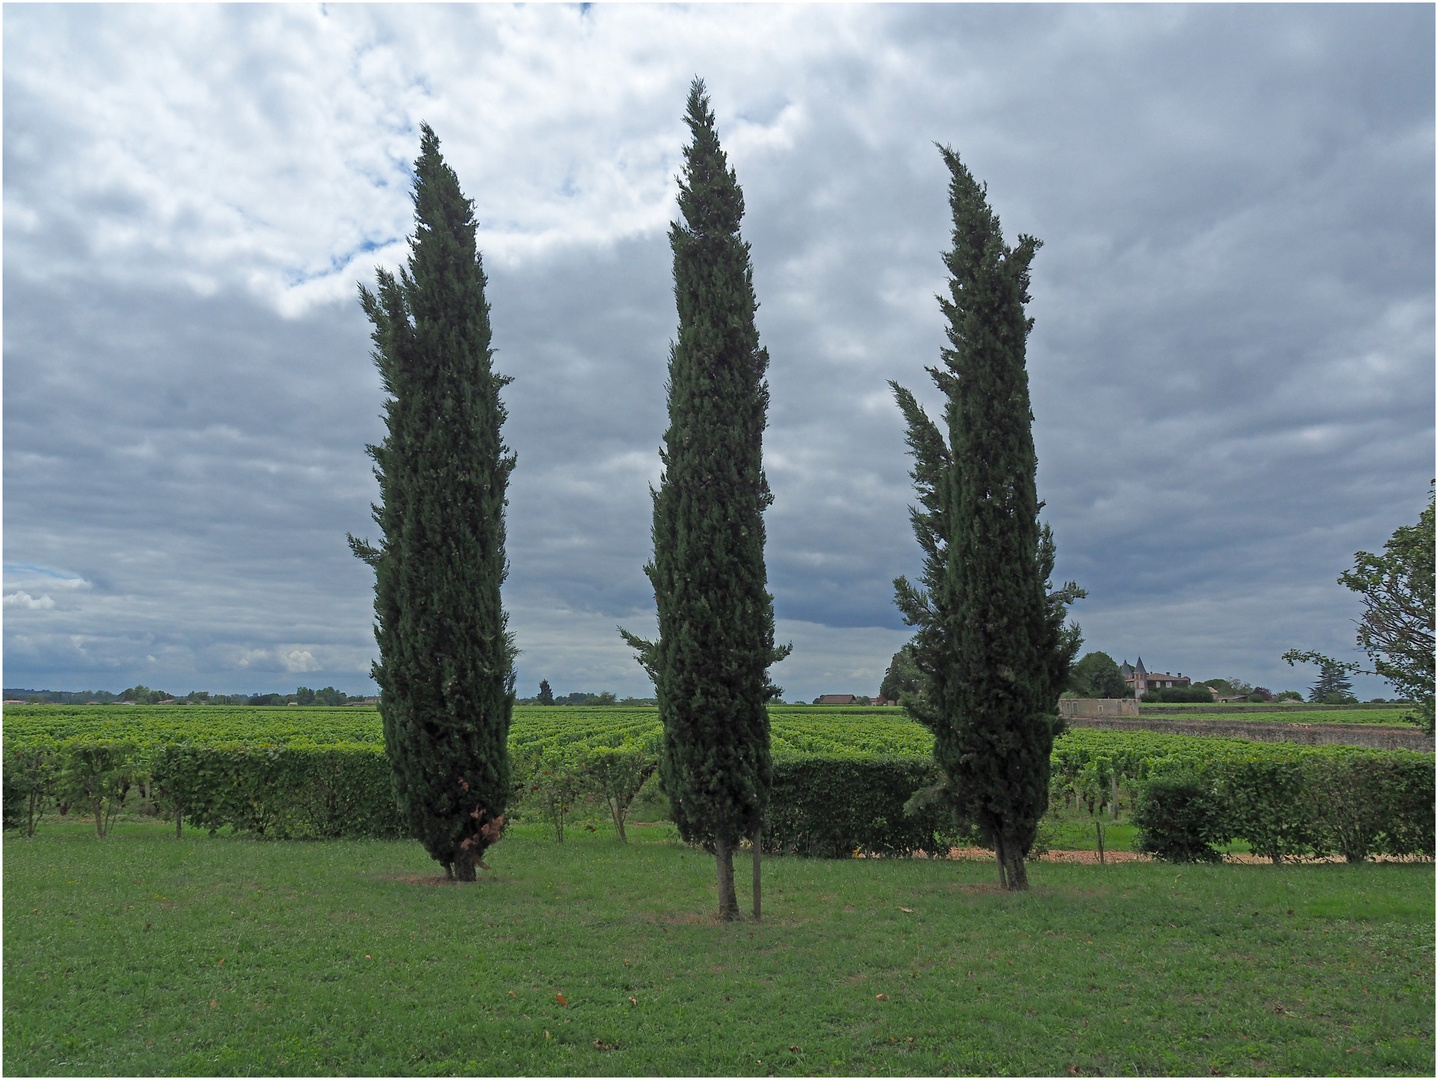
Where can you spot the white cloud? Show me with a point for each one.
(25, 600)
(1231, 366)
(299, 660)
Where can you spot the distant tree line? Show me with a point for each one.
(580, 697)
(144, 695)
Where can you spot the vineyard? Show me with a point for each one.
(843, 778)
(796, 730)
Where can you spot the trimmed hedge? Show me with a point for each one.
(1191, 793)
(288, 792)
(1180, 819)
(834, 805)
(1301, 801)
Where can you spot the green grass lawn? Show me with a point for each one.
(143, 954)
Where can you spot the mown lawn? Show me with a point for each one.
(143, 954)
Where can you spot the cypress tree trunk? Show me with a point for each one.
(716, 618)
(446, 657)
(991, 648)
(728, 900)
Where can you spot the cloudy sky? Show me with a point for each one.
(1232, 363)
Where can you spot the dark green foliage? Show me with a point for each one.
(991, 643)
(1289, 801)
(834, 805)
(902, 676)
(1097, 675)
(1396, 630)
(143, 695)
(1179, 818)
(716, 619)
(546, 695)
(446, 658)
(1197, 695)
(1333, 686)
(282, 792)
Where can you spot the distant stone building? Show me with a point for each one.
(837, 699)
(1139, 680)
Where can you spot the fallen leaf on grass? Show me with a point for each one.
(634, 1001)
(794, 1049)
(513, 995)
(907, 910)
(214, 1004)
(881, 997)
(561, 999)
(603, 1045)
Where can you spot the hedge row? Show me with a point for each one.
(1192, 793)
(296, 791)
(820, 805)
(1308, 801)
(835, 805)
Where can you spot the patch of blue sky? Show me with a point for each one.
(34, 570)
(295, 278)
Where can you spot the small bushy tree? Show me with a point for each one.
(1396, 630)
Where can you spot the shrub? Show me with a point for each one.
(835, 804)
(1178, 694)
(97, 774)
(1180, 818)
(1373, 802)
(29, 782)
(549, 777)
(615, 774)
(1269, 803)
(287, 792)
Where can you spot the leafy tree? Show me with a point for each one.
(1396, 630)
(716, 617)
(991, 641)
(616, 773)
(1333, 686)
(304, 696)
(330, 696)
(98, 774)
(903, 675)
(141, 694)
(445, 671)
(29, 783)
(1097, 675)
(546, 695)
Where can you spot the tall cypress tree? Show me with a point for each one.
(716, 617)
(445, 671)
(991, 644)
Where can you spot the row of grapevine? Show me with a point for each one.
(841, 779)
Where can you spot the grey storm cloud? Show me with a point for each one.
(1231, 363)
